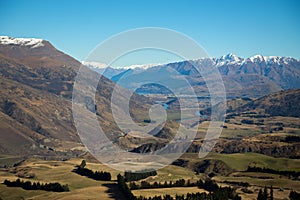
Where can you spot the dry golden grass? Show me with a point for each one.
(84, 188)
(278, 195)
(286, 184)
(80, 187)
(163, 191)
(57, 171)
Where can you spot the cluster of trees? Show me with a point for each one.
(97, 175)
(216, 192)
(264, 195)
(104, 176)
(208, 185)
(247, 121)
(272, 171)
(135, 176)
(27, 185)
(294, 195)
(147, 185)
(292, 138)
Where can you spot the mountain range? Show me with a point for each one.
(251, 77)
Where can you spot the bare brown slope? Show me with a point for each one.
(36, 86)
(34, 118)
(283, 103)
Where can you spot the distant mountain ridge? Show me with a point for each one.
(250, 77)
(228, 59)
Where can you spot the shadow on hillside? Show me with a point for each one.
(114, 192)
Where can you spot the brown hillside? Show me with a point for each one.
(35, 102)
(283, 103)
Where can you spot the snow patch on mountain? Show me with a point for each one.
(31, 42)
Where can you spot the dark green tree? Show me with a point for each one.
(260, 195)
(83, 164)
(265, 193)
(271, 193)
(294, 195)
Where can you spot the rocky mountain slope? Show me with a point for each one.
(36, 82)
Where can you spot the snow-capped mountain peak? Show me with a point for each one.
(31, 42)
(229, 58)
(257, 58)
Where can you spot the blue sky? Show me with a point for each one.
(243, 27)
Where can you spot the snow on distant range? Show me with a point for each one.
(99, 65)
(142, 66)
(32, 42)
(228, 59)
(233, 59)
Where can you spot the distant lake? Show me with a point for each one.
(163, 104)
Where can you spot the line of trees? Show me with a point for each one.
(97, 175)
(272, 171)
(27, 185)
(148, 185)
(215, 192)
(208, 185)
(135, 176)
